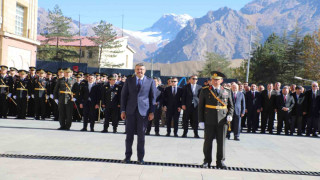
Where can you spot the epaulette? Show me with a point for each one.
(205, 87)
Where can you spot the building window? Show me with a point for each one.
(19, 20)
(82, 53)
(90, 54)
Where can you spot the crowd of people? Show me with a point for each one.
(76, 96)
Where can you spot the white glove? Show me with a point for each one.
(28, 97)
(47, 96)
(51, 96)
(14, 97)
(9, 95)
(201, 125)
(32, 96)
(56, 100)
(229, 118)
(74, 99)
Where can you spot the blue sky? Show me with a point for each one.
(138, 14)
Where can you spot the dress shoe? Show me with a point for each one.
(37, 118)
(115, 131)
(196, 136)
(126, 161)
(278, 133)
(270, 132)
(61, 128)
(262, 132)
(104, 131)
(83, 129)
(140, 162)
(206, 165)
(315, 135)
(308, 134)
(184, 135)
(236, 139)
(228, 136)
(157, 134)
(92, 130)
(147, 133)
(176, 135)
(221, 165)
(67, 129)
(168, 134)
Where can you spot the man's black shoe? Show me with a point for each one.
(67, 129)
(140, 162)
(168, 134)
(236, 139)
(206, 165)
(196, 136)
(83, 129)
(315, 135)
(104, 131)
(228, 136)
(126, 161)
(92, 130)
(221, 165)
(115, 131)
(157, 134)
(176, 135)
(184, 135)
(60, 128)
(147, 133)
(270, 132)
(308, 134)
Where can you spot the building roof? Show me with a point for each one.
(85, 41)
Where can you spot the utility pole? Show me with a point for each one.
(122, 23)
(250, 28)
(80, 39)
(151, 68)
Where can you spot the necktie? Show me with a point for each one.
(253, 94)
(235, 96)
(174, 91)
(314, 95)
(139, 85)
(285, 99)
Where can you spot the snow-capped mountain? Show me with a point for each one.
(162, 31)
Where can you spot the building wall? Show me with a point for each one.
(16, 50)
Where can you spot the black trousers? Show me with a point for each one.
(172, 114)
(111, 115)
(296, 119)
(89, 114)
(267, 117)
(65, 114)
(4, 106)
(31, 107)
(253, 120)
(156, 121)
(283, 118)
(312, 124)
(40, 107)
(212, 132)
(191, 115)
(21, 107)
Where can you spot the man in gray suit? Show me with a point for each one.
(190, 101)
(239, 111)
(137, 107)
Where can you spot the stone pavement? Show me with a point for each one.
(30, 137)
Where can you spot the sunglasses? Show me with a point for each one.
(195, 78)
(174, 81)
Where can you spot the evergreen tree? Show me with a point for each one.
(57, 31)
(215, 62)
(105, 39)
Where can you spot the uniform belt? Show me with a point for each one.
(215, 107)
(21, 89)
(40, 89)
(3, 86)
(65, 92)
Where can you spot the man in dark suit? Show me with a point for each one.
(110, 100)
(268, 98)
(6, 88)
(158, 108)
(190, 100)
(89, 101)
(285, 104)
(215, 110)
(297, 111)
(311, 109)
(253, 106)
(137, 107)
(172, 105)
(239, 103)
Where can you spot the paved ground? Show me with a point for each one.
(30, 137)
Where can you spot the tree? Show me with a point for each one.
(215, 62)
(105, 39)
(57, 31)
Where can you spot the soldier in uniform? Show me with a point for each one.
(21, 91)
(215, 110)
(50, 101)
(63, 95)
(55, 105)
(77, 114)
(110, 98)
(39, 93)
(12, 106)
(6, 86)
(32, 76)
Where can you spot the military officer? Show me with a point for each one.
(50, 101)
(63, 96)
(54, 82)
(39, 94)
(6, 86)
(77, 114)
(21, 91)
(111, 102)
(12, 106)
(32, 76)
(215, 110)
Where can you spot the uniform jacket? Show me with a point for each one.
(111, 96)
(22, 88)
(61, 86)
